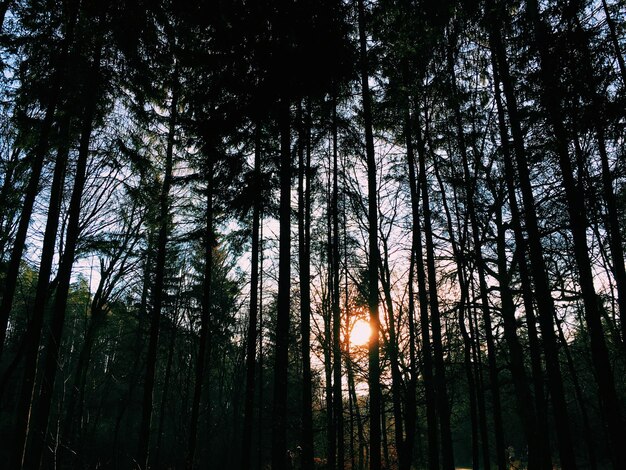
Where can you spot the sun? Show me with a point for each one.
(360, 334)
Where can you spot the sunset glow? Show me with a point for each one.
(360, 334)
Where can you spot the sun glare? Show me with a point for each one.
(360, 334)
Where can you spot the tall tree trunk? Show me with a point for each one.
(478, 259)
(331, 450)
(304, 238)
(598, 102)
(441, 387)
(34, 330)
(410, 414)
(468, 347)
(75, 402)
(538, 450)
(470, 337)
(543, 458)
(392, 348)
(251, 341)
(372, 301)
(351, 418)
(261, 447)
(168, 371)
(357, 410)
(40, 422)
(205, 314)
(551, 98)
(427, 359)
(159, 286)
(385, 441)
(469, 372)
(411, 405)
(525, 405)
(336, 308)
(543, 296)
(139, 340)
(164, 395)
(37, 162)
(331, 422)
(279, 415)
(480, 382)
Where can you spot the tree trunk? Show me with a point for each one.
(159, 286)
(551, 98)
(261, 447)
(385, 442)
(374, 347)
(335, 300)
(351, 419)
(304, 238)
(109, 278)
(327, 309)
(427, 359)
(139, 343)
(470, 337)
(37, 162)
(40, 423)
(542, 460)
(392, 348)
(525, 406)
(205, 314)
(357, 411)
(468, 347)
(471, 383)
(538, 450)
(168, 372)
(480, 382)
(443, 403)
(251, 341)
(34, 330)
(411, 405)
(478, 259)
(331, 450)
(279, 415)
(543, 296)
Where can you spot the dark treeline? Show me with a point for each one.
(294, 235)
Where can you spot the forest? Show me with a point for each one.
(329, 234)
